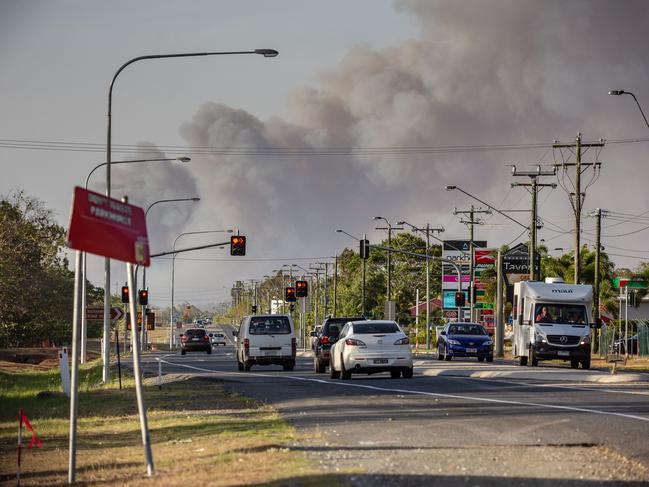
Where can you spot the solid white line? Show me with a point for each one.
(423, 393)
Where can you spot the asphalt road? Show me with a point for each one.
(448, 430)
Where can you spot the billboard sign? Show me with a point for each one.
(108, 227)
(457, 251)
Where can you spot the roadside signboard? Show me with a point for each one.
(96, 313)
(105, 226)
(150, 321)
(459, 252)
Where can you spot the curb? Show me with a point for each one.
(551, 375)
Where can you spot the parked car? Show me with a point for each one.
(217, 339)
(195, 340)
(370, 347)
(266, 340)
(314, 336)
(325, 338)
(465, 340)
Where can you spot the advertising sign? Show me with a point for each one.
(458, 252)
(105, 226)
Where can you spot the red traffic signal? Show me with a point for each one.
(237, 245)
(460, 299)
(301, 289)
(289, 295)
(124, 294)
(143, 297)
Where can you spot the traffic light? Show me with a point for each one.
(460, 299)
(237, 245)
(124, 294)
(365, 248)
(143, 297)
(301, 289)
(291, 308)
(632, 298)
(289, 295)
(254, 309)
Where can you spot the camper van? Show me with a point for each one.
(551, 321)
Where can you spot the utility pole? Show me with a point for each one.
(389, 228)
(326, 290)
(500, 318)
(534, 186)
(470, 223)
(598, 249)
(577, 197)
(363, 310)
(335, 284)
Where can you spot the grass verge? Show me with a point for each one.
(200, 434)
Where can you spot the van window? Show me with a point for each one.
(560, 313)
(269, 325)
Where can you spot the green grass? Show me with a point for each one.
(198, 432)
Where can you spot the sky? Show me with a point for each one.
(371, 108)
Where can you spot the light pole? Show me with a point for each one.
(427, 229)
(144, 319)
(622, 92)
(84, 323)
(262, 52)
(364, 272)
(173, 264)
(389, 283)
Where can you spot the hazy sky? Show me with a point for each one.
(364, 74)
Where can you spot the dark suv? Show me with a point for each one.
(195, 340)
(327, 336)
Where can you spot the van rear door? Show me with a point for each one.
(270, 336)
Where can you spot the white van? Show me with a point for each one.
(266, 340)
(552, 320)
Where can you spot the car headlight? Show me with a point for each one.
(453, 342)
(539, 337)
(585, 340)
(487, 343)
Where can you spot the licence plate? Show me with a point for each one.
(561, 353)
(195, 339)
(271, 353)
(471, 350)
(380, 361)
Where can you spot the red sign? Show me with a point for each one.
(105, 226)
(484, 256)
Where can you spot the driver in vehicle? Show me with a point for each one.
(544, 316)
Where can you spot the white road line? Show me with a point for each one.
(423, 393)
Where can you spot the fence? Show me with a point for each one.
(612, 340)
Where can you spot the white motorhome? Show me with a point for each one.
(551, 321)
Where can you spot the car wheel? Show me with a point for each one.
(440, 355)
(333, 373)
(288, 366)
(344, 374)
(209, 351)
(480, 359)
(408, 372)
(490, 359)
(395, 374)
(319, 366)
(247, 367)
(447, 356)
(182, 352)
(574, 364)
(239, 365)
(585, 364)
(532, 360)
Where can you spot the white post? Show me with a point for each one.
(65, 370)
(74, 398)
(146, 442)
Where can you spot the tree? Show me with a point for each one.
(36, 285)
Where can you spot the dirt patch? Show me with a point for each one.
(32, 358)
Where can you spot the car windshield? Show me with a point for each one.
(371, 328)
(269, 325)
(560, 313)
(333, 326)
(195, 333)
(466, 330)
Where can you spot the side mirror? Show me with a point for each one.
(210, 334)
(519, 320)
(313, 334)
(234, 333)
(443, 332)
(597, 324)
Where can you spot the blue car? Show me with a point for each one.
(465, 340)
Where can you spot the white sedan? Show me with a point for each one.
(369, 347)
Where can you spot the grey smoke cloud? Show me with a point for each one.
(482, 72)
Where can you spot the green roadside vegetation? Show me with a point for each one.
(200, 434)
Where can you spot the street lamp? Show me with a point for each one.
(144, 319)
(389, 283)
(262, 52)
(364, 272)
(173, 264)
(622, 92)
(84, 321)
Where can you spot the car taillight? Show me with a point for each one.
(354, 343)
(205, 337)
(293, 345)
(402, 341)
(324, 340)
